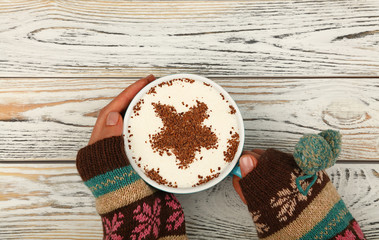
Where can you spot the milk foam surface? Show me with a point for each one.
(145, 122)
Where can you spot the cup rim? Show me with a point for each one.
(208, 184)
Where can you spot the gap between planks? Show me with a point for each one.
(208, 76)
(57, 161)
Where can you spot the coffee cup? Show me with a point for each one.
(183, 134)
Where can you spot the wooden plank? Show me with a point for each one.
(50, 119)
(119, 38)
(43, 201)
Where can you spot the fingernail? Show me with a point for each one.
(150, 78)
(112, 118)
(246, 164)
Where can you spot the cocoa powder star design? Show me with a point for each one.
(183, 134)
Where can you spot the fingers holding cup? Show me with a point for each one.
(248, 162)
(109, 123)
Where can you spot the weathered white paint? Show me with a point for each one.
(42, 201)
(133, 38)
(50, 119)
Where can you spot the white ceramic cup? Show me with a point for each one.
(231, 168)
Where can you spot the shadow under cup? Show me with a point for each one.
(231, 168)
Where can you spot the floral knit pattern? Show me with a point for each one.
(129, 208)
(358, 231)
(261, 227)
(112, 227)
(349, 235)
(320, 177)
(148, 218)
(287, 199)
(281, 211)
(176, 219)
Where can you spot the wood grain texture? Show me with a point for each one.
(133, 38)
(49, 201)
(50, 119)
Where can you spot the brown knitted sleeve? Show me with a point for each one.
(280, 211)
(101, 157)
(129, 208)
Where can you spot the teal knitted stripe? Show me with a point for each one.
(334, 222)
(111, 181)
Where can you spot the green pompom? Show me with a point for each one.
(315, 152)
(334, 140)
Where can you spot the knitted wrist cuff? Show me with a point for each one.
(270, 174)
(101, 157)
(272, 195)
(280, 210)
(123, 200)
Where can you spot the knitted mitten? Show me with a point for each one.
(291, 202)
(129, 208)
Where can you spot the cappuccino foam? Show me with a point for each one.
(182, 133)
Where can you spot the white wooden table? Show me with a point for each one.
(293, 67)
